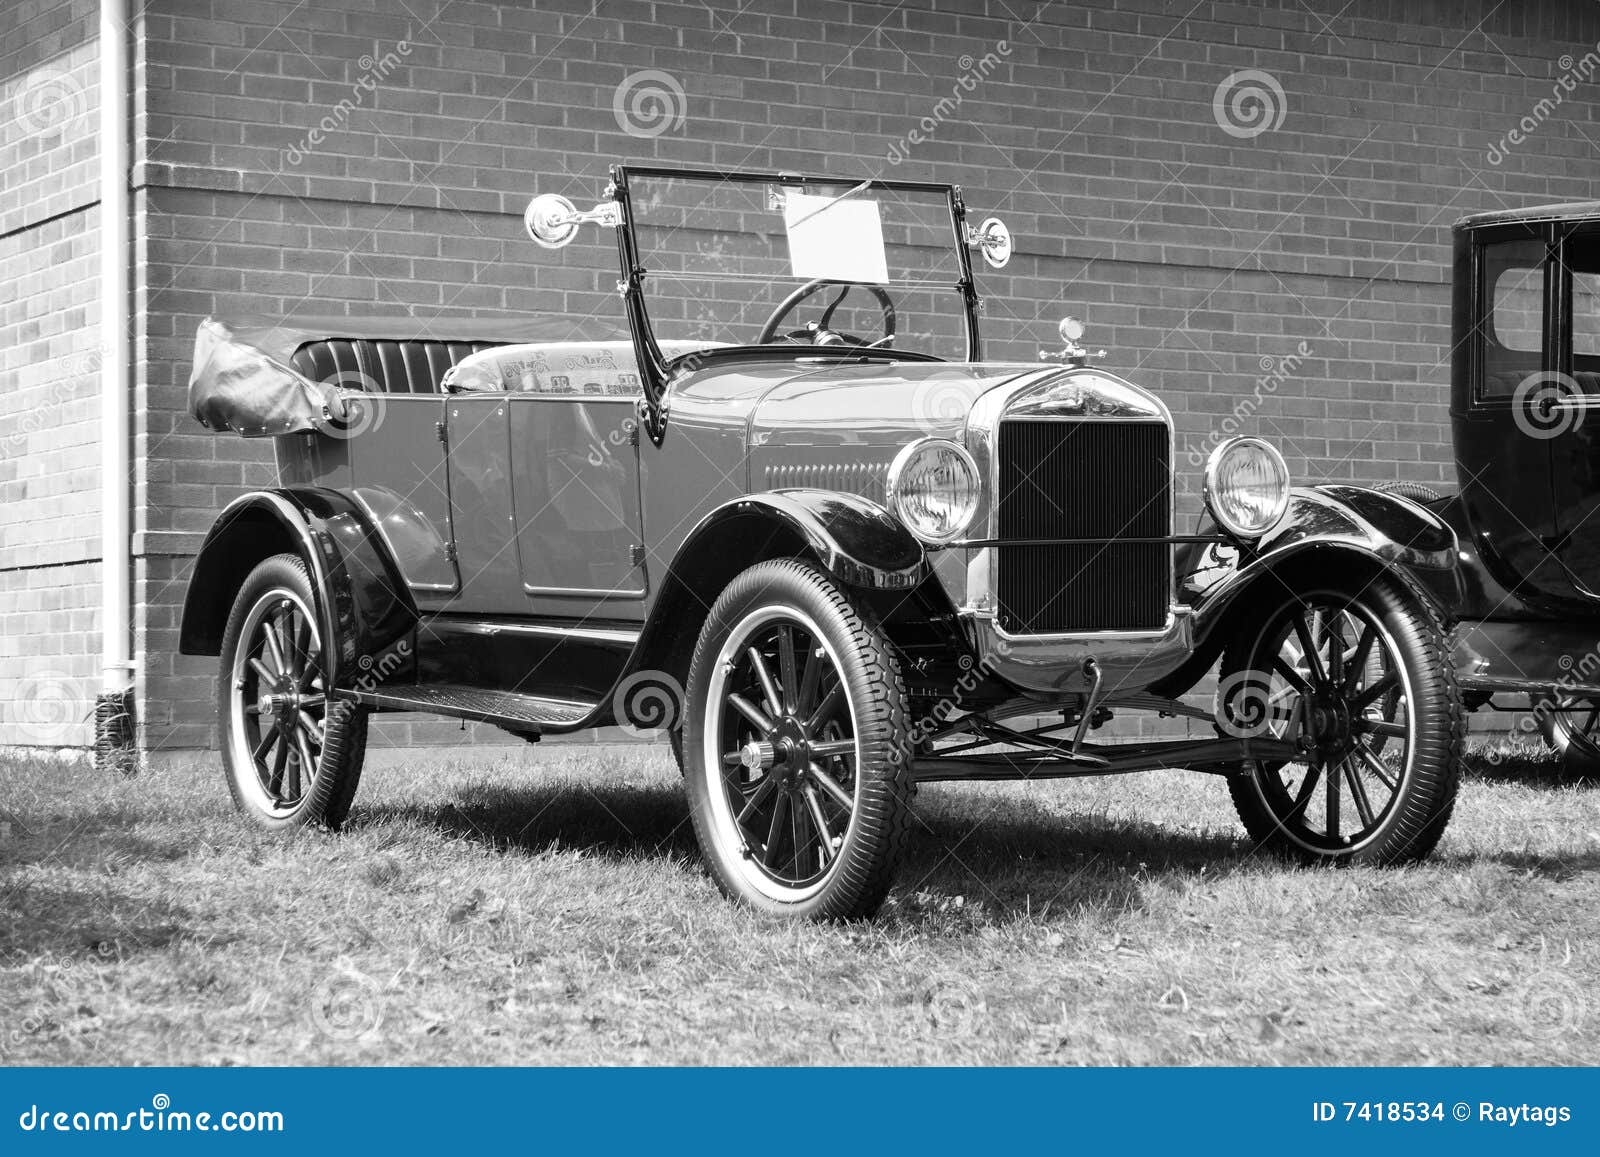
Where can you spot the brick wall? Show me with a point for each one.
(372, 156)
(49, 417)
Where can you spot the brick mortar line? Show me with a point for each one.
(40, 223)
(265, 194)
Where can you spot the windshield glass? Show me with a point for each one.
(724, 255)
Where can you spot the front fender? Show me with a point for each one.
(363, 603)
(1367, 531)
(856, 540)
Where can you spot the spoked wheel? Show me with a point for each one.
(292, 756)
(796, 750)
(1364, 685)
(1572, 727)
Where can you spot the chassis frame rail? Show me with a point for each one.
(1211, 756)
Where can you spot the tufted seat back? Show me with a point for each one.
(383, 365)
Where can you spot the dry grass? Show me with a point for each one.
(547, 906)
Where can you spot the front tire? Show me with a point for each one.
(797, 754)
(1366, 683)
(291, 755)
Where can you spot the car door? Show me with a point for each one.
(574, 438)
(1504, 448)
(482, 524)
(1575, 446)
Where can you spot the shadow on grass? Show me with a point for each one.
(83, 925)
(1525, 767)
(1008, 857)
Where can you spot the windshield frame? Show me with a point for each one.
(655, 369)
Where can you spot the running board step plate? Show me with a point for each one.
(533, 713)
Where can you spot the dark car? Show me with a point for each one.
(1525, 416)
(794, 520)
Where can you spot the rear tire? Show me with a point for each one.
(291, 755)
(1384, 714)
(1573, 734)
(797, 753)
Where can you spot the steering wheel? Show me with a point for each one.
(817, 332)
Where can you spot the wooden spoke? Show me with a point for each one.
(1302, 798)
(750, 711)
(1291, 676)
(806, 697)
(1308, 649)
(830, 748)
(1358, 661)
(786, 668)
(1333, 629)
(308, 761)
(268, 738)
(780, 815)
(1378, 727)
(830, 703)
(763, 790)
(269, 635)
(1358, 792)
(1375, 765)
(830, 785)
(279, 763)
(313, 727)
(768, 689)
(820, 822)
(1359, 703)
(261, 671)
(1332, 789)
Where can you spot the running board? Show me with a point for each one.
(532, 714)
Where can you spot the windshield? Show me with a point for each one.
(724, 255)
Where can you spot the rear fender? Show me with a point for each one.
(364, 605)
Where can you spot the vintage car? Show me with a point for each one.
(796, 522)
(1525, 417)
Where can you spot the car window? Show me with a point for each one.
(1513, 273)
(1585, 314)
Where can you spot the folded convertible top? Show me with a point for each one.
(244, 380)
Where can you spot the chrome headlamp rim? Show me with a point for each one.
(892, 492)
(1209, 485)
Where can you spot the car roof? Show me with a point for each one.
(1564, 211)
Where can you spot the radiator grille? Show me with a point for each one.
(1103, 481)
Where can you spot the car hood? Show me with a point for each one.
(877, 404)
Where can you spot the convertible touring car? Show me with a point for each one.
(792, 519)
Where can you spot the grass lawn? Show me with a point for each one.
(548, 906)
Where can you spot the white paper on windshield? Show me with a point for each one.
(837, 238)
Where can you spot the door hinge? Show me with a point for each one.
(636, 553)
(633, 434)
(450, 551)
(441, 431)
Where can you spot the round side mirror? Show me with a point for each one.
(551, 220)
(994, 239)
